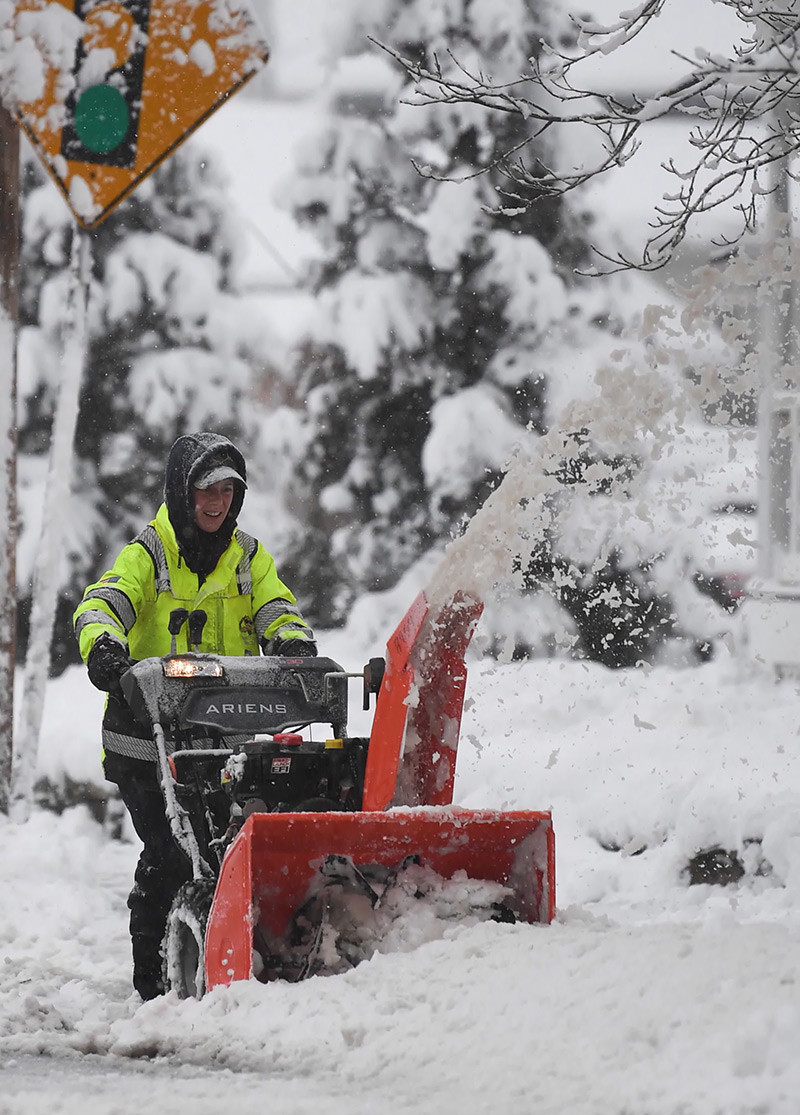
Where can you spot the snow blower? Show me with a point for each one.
(308, 853)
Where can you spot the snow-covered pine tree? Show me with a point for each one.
(171, 348)
(449, 332)
(429, 306)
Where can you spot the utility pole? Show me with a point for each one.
(777, 505)
(772, 610)
(9, 317)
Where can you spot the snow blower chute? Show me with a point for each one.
(305, 853)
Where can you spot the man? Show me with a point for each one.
(192, 555)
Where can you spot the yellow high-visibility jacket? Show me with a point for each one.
(243, 597)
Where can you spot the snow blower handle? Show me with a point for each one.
(178, 818)
(177, 618)
(197, 621)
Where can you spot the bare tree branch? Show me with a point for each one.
(745, 111)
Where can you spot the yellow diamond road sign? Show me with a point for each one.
(144, 75)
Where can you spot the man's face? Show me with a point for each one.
(211, 505)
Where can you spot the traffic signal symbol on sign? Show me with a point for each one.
(101, 120)
(103, 117)
(145, 74)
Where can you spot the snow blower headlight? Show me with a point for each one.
(191, 668)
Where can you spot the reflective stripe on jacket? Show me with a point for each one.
(244, 599)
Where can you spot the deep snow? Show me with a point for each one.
(645, 995)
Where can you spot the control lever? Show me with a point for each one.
(177, 618)
(197, 621)
(373, 677)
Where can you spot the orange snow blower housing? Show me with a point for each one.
(257, 904)
(269, 867)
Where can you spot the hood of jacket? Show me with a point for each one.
(189, 458)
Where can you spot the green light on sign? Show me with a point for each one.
(101, 118)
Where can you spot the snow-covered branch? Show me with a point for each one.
(744, 111)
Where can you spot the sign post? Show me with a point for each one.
(47, 561)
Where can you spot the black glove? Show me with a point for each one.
(298, 648)
(107, 662)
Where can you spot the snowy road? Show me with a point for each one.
(97, 1085)
(588, 1016)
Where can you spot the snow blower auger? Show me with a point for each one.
(307, 853)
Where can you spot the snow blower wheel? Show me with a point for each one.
(184, 939)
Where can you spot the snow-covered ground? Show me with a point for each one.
(646, 995)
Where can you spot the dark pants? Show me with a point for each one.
(161, 870)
